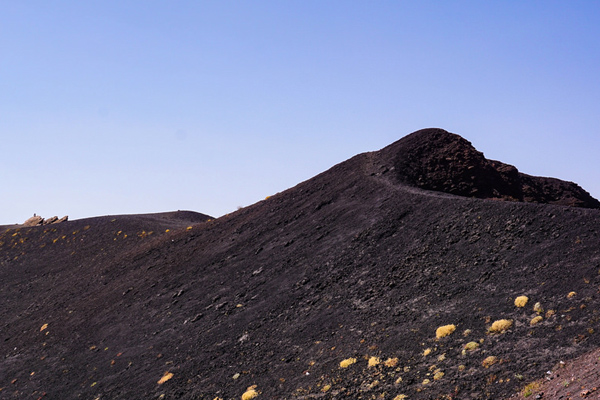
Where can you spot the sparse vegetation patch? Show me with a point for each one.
(489, 361)
(536, 320)
(391, 362)
(167, 376)
(531, 388)
(347, 362)
(250, 393)
(500, 326)
(374, 361)
(521, 301)
(444, 331)
(471, 346)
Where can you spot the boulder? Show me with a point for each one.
(34, 221)
(50, 220)
(37, 220)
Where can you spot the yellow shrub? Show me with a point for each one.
(374, 361)
(471, 346)
(391, 362)
(438, 375)
(400, 397)
(537, 307)
(521, 301)
(250, 393)
(347, 362)
(426, 352)
(571, 294)
(501, 325)
(536, 320)
(444, 330)
(166, 377)
(489, 361)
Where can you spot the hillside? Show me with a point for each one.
(364, 261)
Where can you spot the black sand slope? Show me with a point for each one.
(333, 289)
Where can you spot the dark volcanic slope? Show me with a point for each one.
(350, 264)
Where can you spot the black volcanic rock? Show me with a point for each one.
(435, 159)
(352, 263)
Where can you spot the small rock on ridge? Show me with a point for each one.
(37, 220)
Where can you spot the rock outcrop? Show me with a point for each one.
(38, 220)
(34, 221)
(50, 220)
(435, 159)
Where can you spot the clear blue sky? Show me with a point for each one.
(116, 107)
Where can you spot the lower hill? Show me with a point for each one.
(363, 282)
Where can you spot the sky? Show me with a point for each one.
(130, 106)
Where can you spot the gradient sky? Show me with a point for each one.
(120, 107)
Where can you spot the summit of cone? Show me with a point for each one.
(435, 159)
